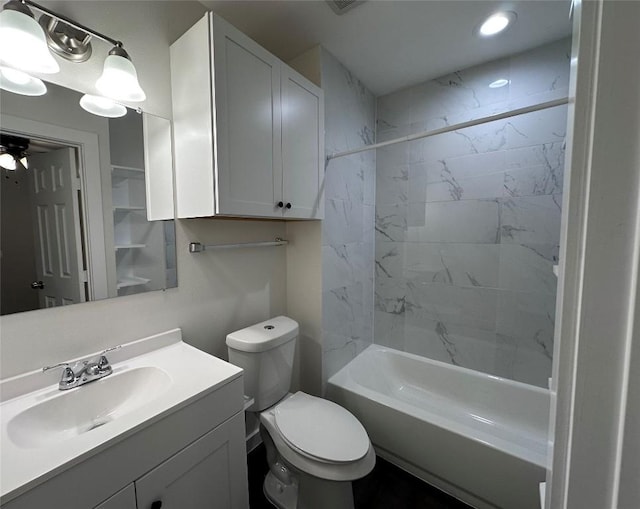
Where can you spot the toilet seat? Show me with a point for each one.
(321, 430)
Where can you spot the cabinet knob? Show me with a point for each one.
(280, 204)
(157, 504)
(288, 205)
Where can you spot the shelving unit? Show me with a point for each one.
(138, 243)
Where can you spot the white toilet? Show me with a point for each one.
(315, 448)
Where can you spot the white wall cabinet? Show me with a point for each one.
(249, 130)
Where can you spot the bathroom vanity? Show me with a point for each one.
(165, 429)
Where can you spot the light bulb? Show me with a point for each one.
(18, 82)
(7, 161)
(496, 23)
(23, 44)
(102, 106)
(119, 79)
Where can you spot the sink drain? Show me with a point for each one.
(97, 424)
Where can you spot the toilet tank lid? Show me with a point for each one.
(264, 335)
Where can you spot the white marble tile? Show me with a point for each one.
(338, 351)
(468, 166)
(523, 269)
(541, 69)
(389, 329)
(342, 311)
(391, 295)
(392, 184)
(470, 307)
(452, 264)
(391, 222)
(537, 128)
(531, 220)
(528, 318)
(342, 223)
(345, 180)
(390, 259)
(452, 189)
(470, 221)
(341, 265)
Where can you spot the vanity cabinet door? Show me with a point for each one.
(124, 499)
(302, 146)
(210, 473)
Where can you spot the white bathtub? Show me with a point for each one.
(481, 438)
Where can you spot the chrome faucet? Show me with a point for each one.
(85, 371)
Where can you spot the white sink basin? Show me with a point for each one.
(85, 408)
(45, 431)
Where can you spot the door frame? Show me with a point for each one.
(87, 146)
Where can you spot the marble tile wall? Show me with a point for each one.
(348, 227)
(467, 224)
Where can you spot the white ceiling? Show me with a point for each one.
(391, 44)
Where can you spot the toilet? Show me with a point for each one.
(315, 448)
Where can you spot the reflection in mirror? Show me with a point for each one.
(86, 203)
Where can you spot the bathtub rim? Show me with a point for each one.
(343, 380)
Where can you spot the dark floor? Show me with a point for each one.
(386, 487)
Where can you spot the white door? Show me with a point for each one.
(248, 122)
(302, 146)
(55, 183)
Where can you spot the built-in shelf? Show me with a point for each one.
(127, 208)
(130, 246)
(124, 172)
(132, 281)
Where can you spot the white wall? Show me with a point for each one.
(217, 293)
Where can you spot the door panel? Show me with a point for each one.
(302, 148)
(210, 473)
(57, 227)
(248, 125)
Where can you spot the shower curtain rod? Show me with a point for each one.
(454, 127)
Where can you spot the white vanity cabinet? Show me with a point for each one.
(124, 499)
(249, 130)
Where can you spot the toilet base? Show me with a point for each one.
(283, 496)
(309, 493)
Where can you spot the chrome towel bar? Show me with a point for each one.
(196, 247)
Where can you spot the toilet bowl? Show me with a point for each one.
(315, 448)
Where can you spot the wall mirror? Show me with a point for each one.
(87, 213)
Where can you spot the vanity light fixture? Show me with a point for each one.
(102, 106)
(19, 82)
(23, 44)
(496, 23)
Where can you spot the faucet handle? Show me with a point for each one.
(59, 365)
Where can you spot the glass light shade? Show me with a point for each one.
(20, 82)
(7, 161)
(496, 23)
(24, 162)
(102, 106)
(23, 44)
(119, 80)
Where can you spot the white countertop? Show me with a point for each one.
(192, 374)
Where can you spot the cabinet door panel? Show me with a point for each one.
(248, 124)
(302, 146)
(210, 473)
(124, 499)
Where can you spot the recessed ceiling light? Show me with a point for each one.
(496, 23)
(499, 83)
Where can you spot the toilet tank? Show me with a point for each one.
(265, 352)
